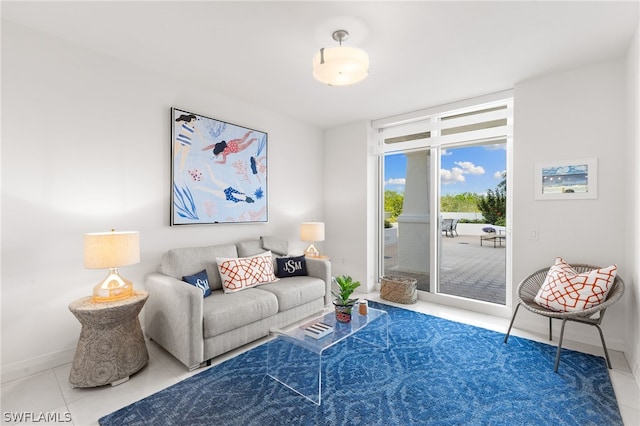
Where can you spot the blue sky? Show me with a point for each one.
(463, 169)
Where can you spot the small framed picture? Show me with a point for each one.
(567, 180)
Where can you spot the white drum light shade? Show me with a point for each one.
(342, 65)
(312, 231)
(103, 250)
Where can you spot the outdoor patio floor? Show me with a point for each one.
(468, 269)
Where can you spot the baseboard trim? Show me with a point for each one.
(36, 365)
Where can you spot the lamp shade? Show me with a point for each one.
(341, 66)
(104, 250)
(312, 231)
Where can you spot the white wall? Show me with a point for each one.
(632, 298)
(572, 115)
(346, 202)
(86, 147)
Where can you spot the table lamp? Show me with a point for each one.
(110, 250)
(312, 232)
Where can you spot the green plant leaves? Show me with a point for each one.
(346, 286)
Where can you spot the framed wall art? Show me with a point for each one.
(218, 171)
(567, 180)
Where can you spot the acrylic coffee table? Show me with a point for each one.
(295, 359)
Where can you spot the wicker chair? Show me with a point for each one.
(528, 288)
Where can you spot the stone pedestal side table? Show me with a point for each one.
(111, 345)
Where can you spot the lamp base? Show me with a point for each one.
(312, 251)
(113, 287)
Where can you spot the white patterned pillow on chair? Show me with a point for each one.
(245, 272)
(566, 290)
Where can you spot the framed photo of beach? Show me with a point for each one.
(567, 180)
(218, 171)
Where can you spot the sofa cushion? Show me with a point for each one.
(199, 280)
(240, 273)
(275, 244)
(180, 262)
(278, 246)
(295, 291)
(223, 312)
(249, 248)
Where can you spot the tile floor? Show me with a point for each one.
(49, 392)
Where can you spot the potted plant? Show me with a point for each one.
(343, 302)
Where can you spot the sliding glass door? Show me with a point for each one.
(446, 204)
(472, 261)
(407, 220)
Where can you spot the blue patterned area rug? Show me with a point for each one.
(435, 372)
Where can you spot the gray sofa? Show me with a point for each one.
(195, 329)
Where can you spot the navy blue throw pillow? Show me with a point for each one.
(200, 280)
(291, 266)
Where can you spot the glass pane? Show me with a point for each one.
(407, 223)
(472, 244)
(477, 126)
(407, 138)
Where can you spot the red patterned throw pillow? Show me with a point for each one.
(566, 290)
(245, 272)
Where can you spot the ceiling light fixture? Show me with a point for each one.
(342, 65)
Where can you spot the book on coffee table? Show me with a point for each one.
(318, 330)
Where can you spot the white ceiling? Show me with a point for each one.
(422, 53)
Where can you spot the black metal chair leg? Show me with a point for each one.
(513, 318)
(550, 332)
(604, 346)
(555, 369)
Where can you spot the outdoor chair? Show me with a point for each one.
(528, 289)
(449, 227)
(454, 225)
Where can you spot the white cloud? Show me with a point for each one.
(499, 175)
(470, 168)
(496, 146)
(455, 175)
(395, 182)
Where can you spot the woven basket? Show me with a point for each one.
(399, 289)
